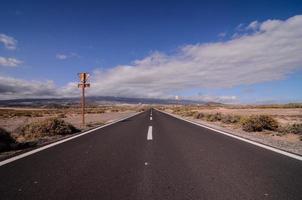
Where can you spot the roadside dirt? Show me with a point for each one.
(288, 142)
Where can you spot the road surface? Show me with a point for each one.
(153, 157)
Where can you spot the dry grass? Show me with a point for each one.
(48, 124)
(259, 123)
(281, 119)
(6, 140)
(12, 118)
(284, 115)
(45, 128)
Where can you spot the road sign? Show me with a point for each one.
(83, 76)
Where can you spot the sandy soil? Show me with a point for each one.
(287, 142)
(284, 116)
(11, 124)
(19, 108)
(92, 120)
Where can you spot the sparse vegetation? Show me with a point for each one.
(231, 119)
(249, 123)
(228, 119)
(90, 125)
(213, 117)
(48, 127)
(189, 113)
(293, 128)
(275, 120)
(9, 113)
(6, 140)
(259, 123)
(62, 115)
(26, 127)
(199, 115)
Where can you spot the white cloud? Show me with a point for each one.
(212, 98)
(62, 56)
(222, 34)
(270, 52)
(8, 41)
(18, 88)
(9, 62)
(12, 88)
(253, 25)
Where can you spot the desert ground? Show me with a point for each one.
(282, 124)
(285, 132)
(26, 127)
(13, 118)
(282, 115)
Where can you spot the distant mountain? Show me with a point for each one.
(61, 102)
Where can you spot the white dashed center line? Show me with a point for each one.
(150, 118)
(149, 135)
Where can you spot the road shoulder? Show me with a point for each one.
(294, 152)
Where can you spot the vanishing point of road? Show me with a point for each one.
(153, 155)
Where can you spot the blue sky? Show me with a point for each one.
(55, 40)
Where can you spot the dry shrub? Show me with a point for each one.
(48, 127)
(95, 111)
(230, 119)
(269, 123)
(292, 128)
(61, 115)
(142, 110)
(10, 113)
(259, 123)
(183, 111)
(213, 117)
(95, 124)
(6, 140)
(189, 113)
(199, 115)
(100, 111)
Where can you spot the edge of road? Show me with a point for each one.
(36, 150)
(274, 149)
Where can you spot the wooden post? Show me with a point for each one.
(83, 84)
(83, 105)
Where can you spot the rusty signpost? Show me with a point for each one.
(83, 84)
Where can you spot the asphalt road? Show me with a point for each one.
(175, 160)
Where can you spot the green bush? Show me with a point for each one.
(259, 123)
(48, 127)
(6, 140)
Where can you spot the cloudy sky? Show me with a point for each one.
(247, 52)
